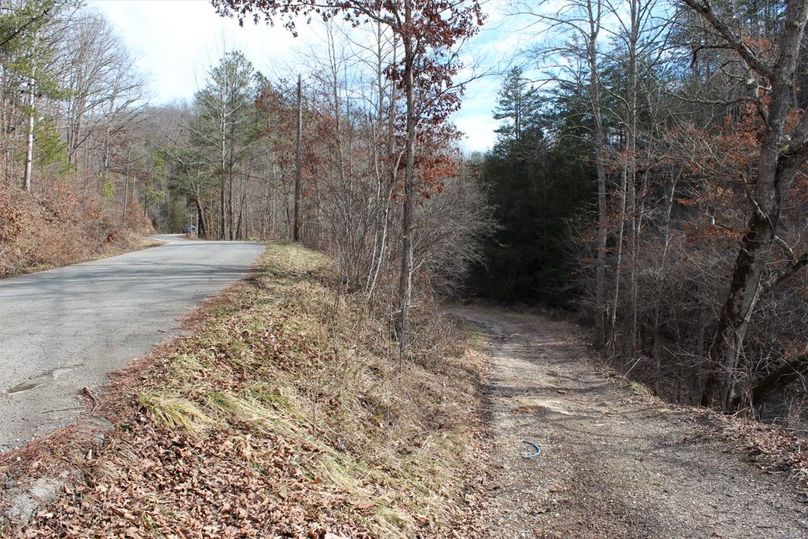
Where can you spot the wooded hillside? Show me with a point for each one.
(74, 165)
(650, 172)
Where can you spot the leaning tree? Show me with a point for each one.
(783, 152)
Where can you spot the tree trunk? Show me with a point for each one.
(29, 154)
(230, 206)
(298, 159)
(125, 197)
(405, 278)
(202, 227)
(631, 146)
(223, 181)
(619, 260)
(601, 309)
(721, 387)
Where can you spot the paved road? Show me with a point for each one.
(64, 329)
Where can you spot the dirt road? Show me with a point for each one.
(614, 462)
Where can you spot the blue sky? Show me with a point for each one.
(175, 41)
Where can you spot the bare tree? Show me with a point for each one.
(428, 31)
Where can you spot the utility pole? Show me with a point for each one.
(296, 227)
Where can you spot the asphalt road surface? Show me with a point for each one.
(68, 328)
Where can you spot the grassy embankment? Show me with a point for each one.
(284, 414)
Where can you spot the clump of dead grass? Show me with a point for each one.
(288, 414)
(172, 411)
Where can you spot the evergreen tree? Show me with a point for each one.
(518, 103)
(536, 184)
(224, 127)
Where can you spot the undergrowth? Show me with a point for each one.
(62, 225)
(287, 414)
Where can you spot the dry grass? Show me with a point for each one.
(286, 415)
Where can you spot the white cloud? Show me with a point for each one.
(479, 130)
(176, 41)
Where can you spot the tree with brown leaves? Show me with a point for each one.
(782, 153)
(429, 32)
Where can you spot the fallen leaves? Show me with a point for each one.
(281, 417)
(772, 447)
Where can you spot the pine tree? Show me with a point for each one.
(536, 184)
(518, 103)
(224, 128)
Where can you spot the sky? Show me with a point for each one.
(176, 41)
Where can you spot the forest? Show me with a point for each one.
(649, 175)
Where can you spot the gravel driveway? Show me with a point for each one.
(615, 462)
